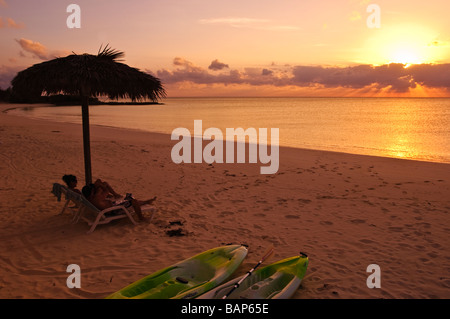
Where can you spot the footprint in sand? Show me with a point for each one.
(433, 255)
(436, 245)
(366, 241)
(396, 229)
(226, 213)
(196, 216)
(259, 215)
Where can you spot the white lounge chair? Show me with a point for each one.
(84, 208)
(70, 196)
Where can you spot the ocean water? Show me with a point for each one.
(410, 128)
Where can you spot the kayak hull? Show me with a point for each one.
(279, 280)
(188, 278)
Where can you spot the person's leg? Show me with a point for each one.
(137, 209)
(146, 202)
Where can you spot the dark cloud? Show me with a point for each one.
(216, 65)
(431, 75)
(394, 77)
(187, 71)
(389, 75)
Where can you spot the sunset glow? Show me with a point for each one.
(251, 48)
(406, 44)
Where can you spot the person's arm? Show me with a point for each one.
(104, 185)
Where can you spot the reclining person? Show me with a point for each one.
(99, 194)
(107, 188)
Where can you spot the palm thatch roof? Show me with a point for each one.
(89, 75)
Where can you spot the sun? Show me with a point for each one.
(405, 44)
(406, 55)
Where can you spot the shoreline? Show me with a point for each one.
(344, 211)
(19, 106)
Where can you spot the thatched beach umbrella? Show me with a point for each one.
(88, 76)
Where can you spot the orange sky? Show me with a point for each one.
(246, 47)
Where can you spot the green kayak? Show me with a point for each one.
(279, 280)
(189, 278)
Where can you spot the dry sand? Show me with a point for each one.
(345, 211)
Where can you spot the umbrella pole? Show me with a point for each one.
(86, 139)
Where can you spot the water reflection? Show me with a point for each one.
(401, 128)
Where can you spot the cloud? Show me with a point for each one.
(431, 75)
(359, 2)
(39, 50)
(250, 23)
(234, 22)
(266, 72)
(3, 4)
(188, 72)
(439, 43)
(11, 24)
(35, 48)
(393, 78)
(192, 73)
(355, 16)
(189, 67)
(216, 65)
(14, 25)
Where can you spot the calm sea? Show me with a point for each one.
(412, 128)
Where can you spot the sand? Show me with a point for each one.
(345, 211)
